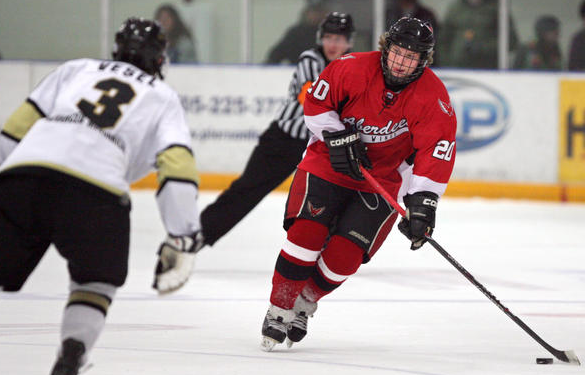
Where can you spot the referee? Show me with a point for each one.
(281, 146)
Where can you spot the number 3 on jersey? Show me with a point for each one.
(106, 112)
(321, 89)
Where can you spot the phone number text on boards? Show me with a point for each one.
(231, 105)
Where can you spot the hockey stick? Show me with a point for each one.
(565, 356)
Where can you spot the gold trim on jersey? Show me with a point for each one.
(176, 163)
(70, 172)
(21, 120)
(82, 296)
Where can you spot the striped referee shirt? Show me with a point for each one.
(290, 117)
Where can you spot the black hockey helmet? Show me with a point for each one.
(414, 35)
(141, 43)
(336, 23)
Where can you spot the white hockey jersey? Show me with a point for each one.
(109, 124)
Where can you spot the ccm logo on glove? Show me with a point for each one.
(347, 152)
(344, 141)
(430, 202)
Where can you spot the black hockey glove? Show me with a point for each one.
(420, 217)
(347, 152)
(176, 258)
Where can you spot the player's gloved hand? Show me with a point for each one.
(176, 258)
(347, 152)
(420, 217)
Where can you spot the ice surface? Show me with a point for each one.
(403, 313)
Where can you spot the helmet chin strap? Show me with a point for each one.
(163, 66)
(395, 87)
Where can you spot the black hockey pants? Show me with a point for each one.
(90, 227)
(272, 161)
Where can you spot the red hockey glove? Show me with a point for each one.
(347, 152)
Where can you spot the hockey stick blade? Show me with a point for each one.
(572, 357)
(568, 356)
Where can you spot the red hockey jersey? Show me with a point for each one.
(351, 92)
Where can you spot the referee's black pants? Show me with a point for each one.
(272, 161)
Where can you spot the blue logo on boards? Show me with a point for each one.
(483, 115)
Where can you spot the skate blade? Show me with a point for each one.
(268, 343)
(289, 343)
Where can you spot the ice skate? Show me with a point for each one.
(275, 326)
(70, 358)
(297, 329)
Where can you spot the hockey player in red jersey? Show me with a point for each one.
(384, 110)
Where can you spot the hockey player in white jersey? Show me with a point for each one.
(68, 155)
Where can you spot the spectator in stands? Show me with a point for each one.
(181, 48)
(469, 35)
(543, 53)
(299, 36)
(200, 18)
(396, 9)
(577, 51)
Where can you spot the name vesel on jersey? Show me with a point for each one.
(128, 71)
(124, 70)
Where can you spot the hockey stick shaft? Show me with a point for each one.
(565, 356)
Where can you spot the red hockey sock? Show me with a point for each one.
(338, 261)
(296, 261)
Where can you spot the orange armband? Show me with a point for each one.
(303, 93)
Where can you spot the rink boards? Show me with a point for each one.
(520, 134)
